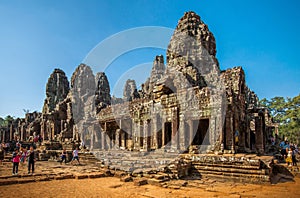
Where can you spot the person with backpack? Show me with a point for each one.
(16, 161)
(31, 160)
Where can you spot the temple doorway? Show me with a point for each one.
(168, 132)
(201, 135)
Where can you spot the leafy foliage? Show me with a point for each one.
(4, 122)
(286, 112)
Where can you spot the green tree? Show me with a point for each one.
(286, 112)
(4, 122)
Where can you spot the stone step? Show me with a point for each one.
(241, 176)
(228, 166)
(237, 177)
(230, 170)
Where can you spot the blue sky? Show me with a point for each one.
(38, 36)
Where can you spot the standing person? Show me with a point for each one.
(63, 156)
(16, 161)
(31, 159)
(18, 145)
(75, 156)
(294, 160)
(1, 154)
(289, 157)
(23, 155)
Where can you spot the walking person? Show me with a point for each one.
(75, 156)
(31, 160)
(16, 161)
(63, 156)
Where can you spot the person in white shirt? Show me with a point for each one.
(75, 156)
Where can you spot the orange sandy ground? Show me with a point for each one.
(113, 187)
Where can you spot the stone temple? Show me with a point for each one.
(188, 104)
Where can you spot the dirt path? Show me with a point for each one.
(113, 187)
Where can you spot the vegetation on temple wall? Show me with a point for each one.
(286, 112)
(5, 121)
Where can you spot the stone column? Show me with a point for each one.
(11, 133)
(117, 141)
(259, 142)
(191, 128)
(175, 132)
(232, 135)
(21, 132)
(102, 135)
(137, 135)
(229, 132)
(154, 131)
(146, 143)
(103, 146)
(163, 131)
(182, 132)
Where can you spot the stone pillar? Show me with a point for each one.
(92, 136)
(175, 132)
(137, 135)
(182, 131)
(154, 130)
(229, 132)
(117, 141)
(163, 131)
(123, 133)
(21, 133)
(259, 141)
(232, 135)
(11, 133)
(103, 146)
(146, 137)
(191, 132)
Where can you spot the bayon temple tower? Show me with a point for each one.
(188, 104)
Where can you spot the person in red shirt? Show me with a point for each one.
(16, 161)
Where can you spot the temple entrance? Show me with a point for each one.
(168, 132)
(252, 140)
(201, 135)
(187, 135)
(159, 139)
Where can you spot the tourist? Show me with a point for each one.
(31, 159)
(35, 139)
(75, 156)
(63, 156)
(16, 161)
(23, 155)
(82, 145)
(289, 157)
(284, 148)
(18, 145)
(6, 147)
(294, 160)
(1, 154)
(40, 138)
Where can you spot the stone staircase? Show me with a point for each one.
(156, 167)
(240, 167)
(129, 161)
(159, 167)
